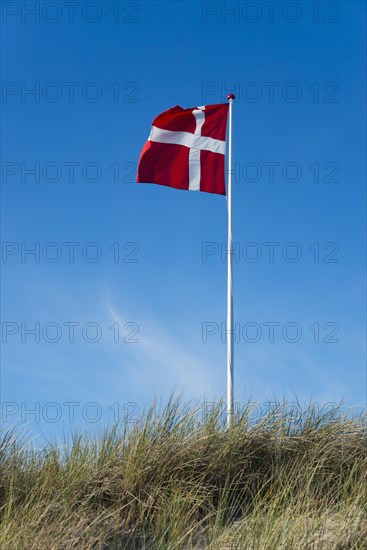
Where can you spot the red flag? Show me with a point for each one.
(186, 149)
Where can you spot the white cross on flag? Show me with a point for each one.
(186, 149)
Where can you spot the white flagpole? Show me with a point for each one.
(230, 331)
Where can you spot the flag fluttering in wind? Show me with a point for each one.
(186, 149)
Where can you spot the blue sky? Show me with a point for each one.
(140, 261)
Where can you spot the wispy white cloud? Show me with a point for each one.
(164, 362)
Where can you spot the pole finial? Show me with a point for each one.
(231, 96)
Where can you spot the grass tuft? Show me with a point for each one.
(290, 479)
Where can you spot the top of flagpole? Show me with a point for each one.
(231, 96)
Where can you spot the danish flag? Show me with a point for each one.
(186, 149)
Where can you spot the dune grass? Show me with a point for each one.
(289, 480)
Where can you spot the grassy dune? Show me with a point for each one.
(290, 480)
